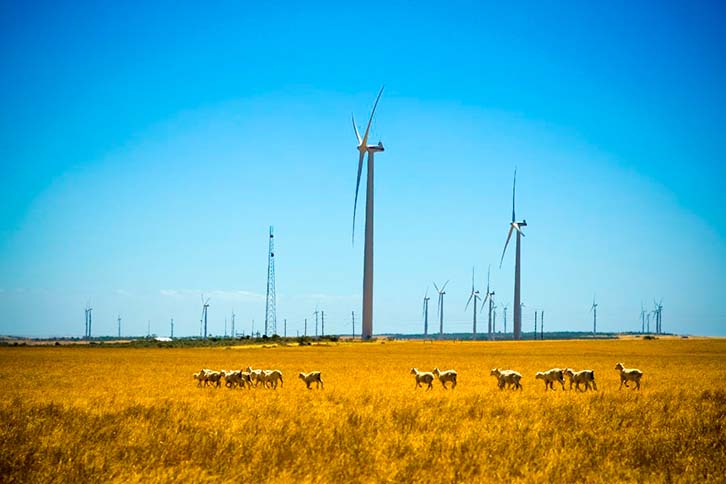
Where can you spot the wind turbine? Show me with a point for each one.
(514, 225)
(475, 296)
(205, 306)
(488, 297)
(426, 312)
(440, 309)
(658, 311)
(642, 318)
(506, 306)
(363, 148)
(593, 310)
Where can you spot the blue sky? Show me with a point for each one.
(146, 149)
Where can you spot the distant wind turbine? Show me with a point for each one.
(658, 313)
(440, 308)
(489, 297)
(475, 296)
(205, 306)
(593, 310)
(514, 225)
(426, 312)
(363, 148)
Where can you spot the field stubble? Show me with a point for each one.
(84, 414)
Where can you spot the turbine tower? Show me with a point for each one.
(506, 306)
(593, 310)
(119, 325)
(363, 148)
(205, 306)
(642, 318)
(426, 312)
(488, 297)
(270, 314)
(90, 321)
(440, 308)
(658, 312)
(514, 225)
(475, 296)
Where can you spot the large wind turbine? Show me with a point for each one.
(426, 312)
(514, 225)
(440, 308)
(658, 312)
(363, 148)
(593, 309)
(475, 296)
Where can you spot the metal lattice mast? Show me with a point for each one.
(270, 312)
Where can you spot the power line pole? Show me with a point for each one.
(322, 323)
(535, 325)
(306, 327)
(541, 325)
(172, 328)
(316, 321)
(352, 314)
(285, 329)
(234, 334)
(270, 311)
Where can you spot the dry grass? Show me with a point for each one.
(86, 414)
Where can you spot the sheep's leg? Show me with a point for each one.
(321, 383)
(562, 382)
(453, 385)
(594, 385)
(621, 384)
(430, 387)
(637, 384)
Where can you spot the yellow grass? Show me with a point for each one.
(89, 414)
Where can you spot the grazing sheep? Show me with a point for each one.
(235, 378)
(271, 378)
(215, 377)
(446, 376)
(507, 377)
(585, 376)
(313, 376)
(423, 377)
(255, 375)
(550, 377)
(629, 374)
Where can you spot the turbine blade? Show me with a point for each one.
(437, 287)
(467, 302)
(355, 128)
(364, 142)
(509, 236)
(514, 189)
(357, 187)
(444, 286)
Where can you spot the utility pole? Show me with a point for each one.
(316, 322)
(306, 327)
(172, 328)
(352, 314)
(234, 334)
(322, 322)
(541, 325)
(535, 325)
(270, 310)
(284, 322)
(505, 320)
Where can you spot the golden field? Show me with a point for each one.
(104, 414)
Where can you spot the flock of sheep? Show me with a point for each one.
(251, 378)
(505, 378)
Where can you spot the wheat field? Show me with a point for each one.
(105, 414)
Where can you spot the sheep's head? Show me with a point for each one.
(568, 372)
(414, 371)
(619, 366)
(436, 372)
(301, 376)
(495, 372)
(539, 376)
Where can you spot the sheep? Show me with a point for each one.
(507, 377)
(629, 374)
(202, 376)
(313, 376)
(215, 377)
(550, 377)
(423, 377)
(585, 376)
(234, 378)
(446, 376)
(272, 377)
(255, 375)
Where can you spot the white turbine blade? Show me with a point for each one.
(437, 287)
(357, 187)
(355, 128)
(516, 226)
(444, 286)
(467, 302)
(364, 142)
(484, 302)
(514, 188)
(509, 236)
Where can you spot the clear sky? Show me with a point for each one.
(145, 148)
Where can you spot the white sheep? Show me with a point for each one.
(235, 378)
(313, 376)
(215, 377)
(255, 375)
(550, 377)
(446, 376)
(423, 377)
(507, 377)
(271, 378)
(202, 376)
(629, 374)
(584, 376)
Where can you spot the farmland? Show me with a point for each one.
(94, 413)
